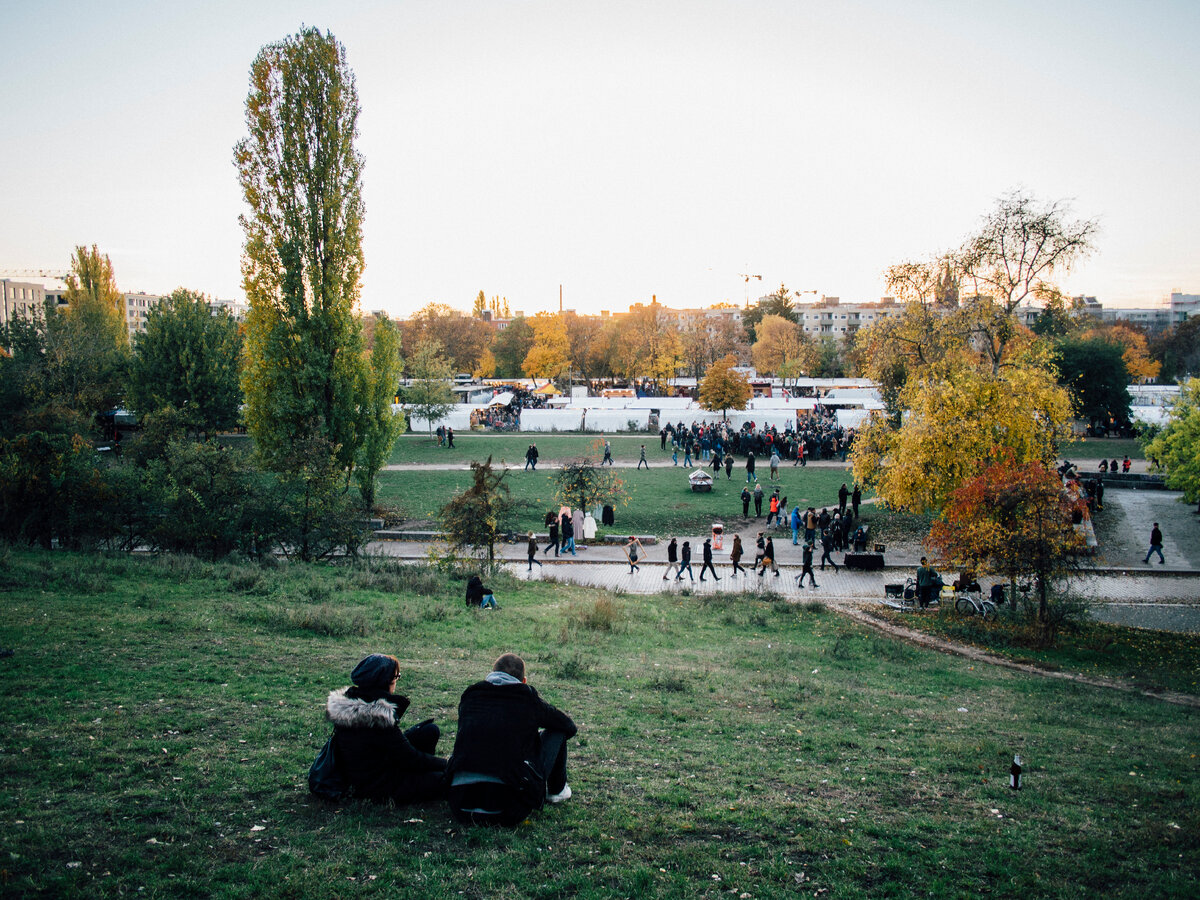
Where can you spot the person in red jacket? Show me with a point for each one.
(510, 753)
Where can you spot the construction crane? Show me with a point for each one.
(747, 278)
(56, 274)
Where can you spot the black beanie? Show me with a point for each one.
(376, 671)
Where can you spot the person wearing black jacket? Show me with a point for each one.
(375, 757)
(685, 562)
(510, 754)
(672, 557)
(708, 560)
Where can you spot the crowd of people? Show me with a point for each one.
(816, 437)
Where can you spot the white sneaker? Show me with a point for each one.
(564, 794)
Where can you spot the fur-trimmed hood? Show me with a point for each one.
(350, 707)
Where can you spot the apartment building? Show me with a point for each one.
(829, 317)
(19, 300)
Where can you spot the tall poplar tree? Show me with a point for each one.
(302, 259)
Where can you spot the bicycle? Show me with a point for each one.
(972, 603)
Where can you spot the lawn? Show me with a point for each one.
(660, 500)
(160, 716)
(1147, 659)
(1102, 448)
(469, 445)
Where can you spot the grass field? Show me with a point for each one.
(1103, 448)
(160, 716)
(660, 500)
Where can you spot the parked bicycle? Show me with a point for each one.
(972, 603)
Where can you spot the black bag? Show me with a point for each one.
(324, 780)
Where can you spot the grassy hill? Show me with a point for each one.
(160, 716)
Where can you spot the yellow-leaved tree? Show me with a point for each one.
(723, 388)
(782, 348)
(550, 354)
(958, 417)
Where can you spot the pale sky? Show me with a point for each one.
(620, 149)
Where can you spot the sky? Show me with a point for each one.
(616, 150)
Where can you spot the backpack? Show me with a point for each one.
(324, 780)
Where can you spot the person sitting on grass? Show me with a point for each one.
(510, 753)
(374, 756)
(479, 595)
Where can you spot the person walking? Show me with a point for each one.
(760, 550)
(769, 558)
(856, 499)
(728, 466)
(750, 476)
(773, 508)
(675, 454)
(807, 567)
(568, 530)
(1156, 540)
(745, 502)
(843, 496)
(758, 495)
(774, 465)
(795, 523)
(735, 556)
(553, 528)
(687, 454)
(531, 552)
(642, 459)
(708, 564)
(827, 549)
(531, 458)
(685, 562)
(631, 551)
(449, 438)
(607, 453)
(672, 557)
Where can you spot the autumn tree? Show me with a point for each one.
(476, 518)
(1013, 259)
(583, 335)
(1178, 349)
(582, 483)
(511, 346)
(724, 389)
(86, 346)
(428, 394)
(1135, 349)
(462, 338)
(302, 259)
(187, 361)
(958, 417)
(780, 302)
(480, 306)
(1176, 448)
(1013, 520)
(381, 424)
(550, 354)
(782, 348)
(647, 344)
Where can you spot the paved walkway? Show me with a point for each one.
(605, 566)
